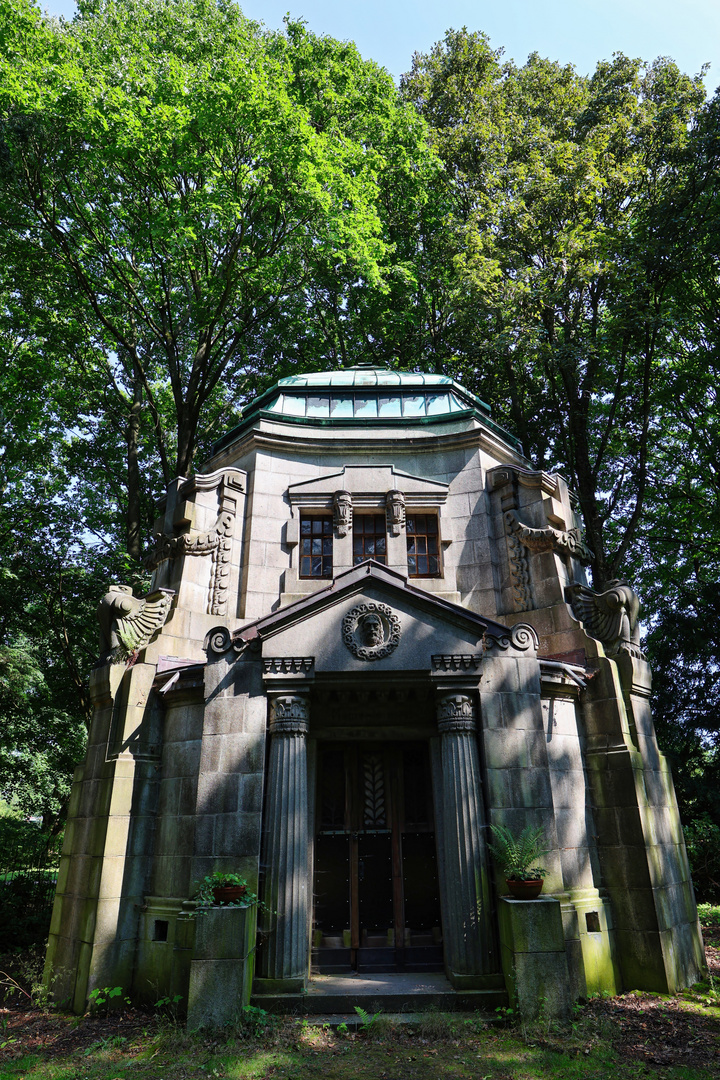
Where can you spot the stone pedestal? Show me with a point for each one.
(222, 966)
(533, 957)
(284, 961)
(466, 889)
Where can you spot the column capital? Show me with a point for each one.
(455, 713)
(289, 714)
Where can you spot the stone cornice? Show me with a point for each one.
(283, 437)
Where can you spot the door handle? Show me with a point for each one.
(361, 870)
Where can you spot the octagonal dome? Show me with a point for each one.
(365, 395)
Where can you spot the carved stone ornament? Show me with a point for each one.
(519, 572)
(289, 665)
(289, 715)
(611, 616)
(217, 542)
(220, 641)
(395, 509)
(127, 622)
(455, 713)
(456, 662)
(521, 637)
(569, 542)
(342, 512)
(371, 631)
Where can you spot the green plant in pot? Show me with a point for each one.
(225, 889)
(518, 855)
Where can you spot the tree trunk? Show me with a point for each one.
(134, 544)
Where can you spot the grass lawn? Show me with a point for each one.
(629, 1037)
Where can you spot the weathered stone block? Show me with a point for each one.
(521, 787)
(237, 834)
(576, 867)
(226, 715)
(205, 834)
(506, 749)
(241, 753)
(500, 675)
(533, 956)
(251, 793)
(532, 926)
(568, 787)
(625, 867)
(224, 933)
(169, 795)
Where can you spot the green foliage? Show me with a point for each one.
(103, 998)
(23, 843)
(188, 202)
(189, 173)
(29, 859)
(518, 855)
(702, 837)
(368, 1020)
(193, 206)
(219, 879)
(709, 914)
(168, 1005)
(567, 194)
(255, 1022)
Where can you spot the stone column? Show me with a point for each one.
(467, 924)
(285, 853)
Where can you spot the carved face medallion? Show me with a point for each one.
(371, 631)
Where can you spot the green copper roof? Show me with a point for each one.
(365, 376)
(364, 395)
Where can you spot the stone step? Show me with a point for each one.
(352, 1021)
(389, 993)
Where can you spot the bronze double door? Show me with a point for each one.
(376, 894)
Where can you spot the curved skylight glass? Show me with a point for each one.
(363, 406)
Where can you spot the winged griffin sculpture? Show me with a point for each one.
(610, 616)
(127, 622)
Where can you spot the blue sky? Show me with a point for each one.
(580, 32)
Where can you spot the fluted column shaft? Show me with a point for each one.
(285, 855)
(467, 925)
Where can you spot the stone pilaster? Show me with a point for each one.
(285, 853)
(469, 951)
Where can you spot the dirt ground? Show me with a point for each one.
(657, 1031)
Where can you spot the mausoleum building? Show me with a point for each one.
(369, 635)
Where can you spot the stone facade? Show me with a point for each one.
(369, 636)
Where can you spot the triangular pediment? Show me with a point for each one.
(369, 618)
(368, 483)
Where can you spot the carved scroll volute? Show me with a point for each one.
(342, 512)
(395, 509)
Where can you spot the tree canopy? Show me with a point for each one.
(193, 205)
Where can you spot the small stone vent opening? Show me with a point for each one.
(592, 921)
(161, 930)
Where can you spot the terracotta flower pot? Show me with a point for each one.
(228, 894)
(525, 890)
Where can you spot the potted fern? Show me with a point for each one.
(224, 889)
(519, 858)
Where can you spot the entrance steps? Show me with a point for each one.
(329, 995)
